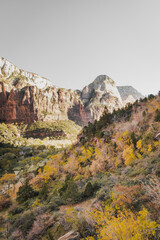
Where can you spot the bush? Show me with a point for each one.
(25, 222)
(103, 194)
(44, 192)
(88, 192)
(16, 210)
(5, 202)
(69, 191)
(157, 116)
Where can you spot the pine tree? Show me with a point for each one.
(88, 192)
(25, 192)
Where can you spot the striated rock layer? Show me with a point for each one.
(27, 97)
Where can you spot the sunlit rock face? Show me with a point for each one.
(20, 78)
(27, 97)
(101, 93)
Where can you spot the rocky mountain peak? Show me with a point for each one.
(13, 75)
(28, 97)
(102, 87)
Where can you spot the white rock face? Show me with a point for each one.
(129, 99)
(103, 87)
(9, 70)
(101, 93)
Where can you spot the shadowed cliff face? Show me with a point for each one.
(27, 97)
(31, 104)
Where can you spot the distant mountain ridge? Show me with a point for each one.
(28, 97)
(127, 92)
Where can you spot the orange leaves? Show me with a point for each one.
(126, 196)
(8, 178)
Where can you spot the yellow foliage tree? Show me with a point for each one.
(128, 155)
(124, 225)
(8, 178)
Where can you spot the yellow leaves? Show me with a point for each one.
(149, 148)
(156, 144)
(126, 134)
(8, 177)
(72, 217)
(49, 170)
(124, 225)
(97, 152)
(128, 155)
(36, 203)
(35, 159)
(139, 144)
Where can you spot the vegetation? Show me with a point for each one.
(105, 186)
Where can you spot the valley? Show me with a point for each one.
(77, 164)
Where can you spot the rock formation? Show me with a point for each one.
(27, 97)
(101, 93)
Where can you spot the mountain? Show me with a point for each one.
(15, 77)
(27, 97)
(129, 94)
(101, 93)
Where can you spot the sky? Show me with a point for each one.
(71, 42)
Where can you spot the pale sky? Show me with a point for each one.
(71, 42)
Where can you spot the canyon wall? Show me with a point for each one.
(27, 97)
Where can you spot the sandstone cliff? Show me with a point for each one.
(27, 97)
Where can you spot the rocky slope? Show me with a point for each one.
(27, 97)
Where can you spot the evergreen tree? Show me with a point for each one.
(88, 192)
(44, 192)
(157, 116)
(25, 192)
(69, 191)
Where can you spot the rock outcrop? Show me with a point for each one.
(70, 236)
(27, 97)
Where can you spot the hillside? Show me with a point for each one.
(58, 134)
(105, 186)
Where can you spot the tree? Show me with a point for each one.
(88, 192)
(123, 225)
(157, 116)
(128, 155)
(25, 192)
(8, 178)
(69, 191)
(44, 191)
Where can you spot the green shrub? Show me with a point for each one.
(24, 222)
(5, 202)
(88, 192)
(44, 191)
(25, 192)
(69, 191)
(16, 210)
(157, 116)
